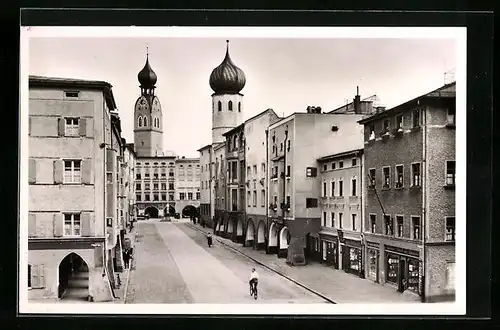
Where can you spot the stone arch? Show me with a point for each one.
(273, 235)
(169, 210)
(189, 211)
(73, 274)
(152, 211)
(250, 234)
(261, 232)
(284, 238)
(239, 227)
(230, 226)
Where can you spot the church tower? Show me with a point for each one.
(226, 80)
(148, 123)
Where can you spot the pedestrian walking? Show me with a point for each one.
(209, 240)
(126, 258)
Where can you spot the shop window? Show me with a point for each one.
(392, 268)
(354, 259)
(388, 225)
(372, 264)
(399, 229)
(450, 229)
(450, 173)
(387, 176)
(412, 282)
(415, 224)
(373, 223)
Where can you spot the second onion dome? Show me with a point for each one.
(227, 78)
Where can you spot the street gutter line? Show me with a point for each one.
(126, 285)
(267, 267)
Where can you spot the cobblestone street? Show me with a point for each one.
(175, 265)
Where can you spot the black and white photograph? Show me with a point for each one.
(243, 170)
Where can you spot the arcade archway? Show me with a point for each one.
(151, 211)
(273, 235)
(73, 278)
(189, 211)
(250, 236)
(239, 228)
(261, 234)
(284, 238)
(169, 210)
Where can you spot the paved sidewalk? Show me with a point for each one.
(335, 284)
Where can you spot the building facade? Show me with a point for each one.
(256, 177)
(187, 186)
(74, 227)
(206, 198)
(340, 244)
(294, 145)
(128, 165)
(409, 212)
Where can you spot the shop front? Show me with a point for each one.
(329, 251)
(313, 248)
(403, 269)
(352, 257)
(372, 262)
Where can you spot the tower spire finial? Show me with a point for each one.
(147, 51)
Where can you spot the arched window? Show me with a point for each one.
(219, 106)
(235, 140)
(140, 121)
(239, 106)
(230, 105)
(145, 121)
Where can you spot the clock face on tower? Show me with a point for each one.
(143, 105)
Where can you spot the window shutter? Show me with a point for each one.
(60, 126)
(82, 126)
(85, 224)
(31, 225)
(58, 224)
(32, 170)
(35, 282)
(41, 276)
(86, 171)
(58, 171)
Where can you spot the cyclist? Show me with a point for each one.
(254, 279)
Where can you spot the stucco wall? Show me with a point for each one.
(224, 120)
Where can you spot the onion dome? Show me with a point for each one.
(147, 77)
(227, 78)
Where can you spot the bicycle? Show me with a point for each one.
(253, 289)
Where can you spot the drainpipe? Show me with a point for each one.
(361, 213)
(424, 204)
(267, 184)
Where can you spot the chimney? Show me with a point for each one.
(357, 102)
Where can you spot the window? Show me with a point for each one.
(71, 93)
(450, 229)
(387, 177)
(239, 106)
(333, 165)
(373, 223)
(170, 174)
(72, 171)
(354, 191)
(399, 224)
(332, 223)
(198, 196)
(415, 224)
(311, 172)
(281, 146)
(288, 146)
(255, 198)
(163, 197)
(324, 167)
(450, 172)
(311, 202)
(249, 198)
(230, 105)
(262, 197)
(399, 122)
(325, 190)
(288, 170)
(450, 116)
(354, 216)
(416, 118)
(415, 169)
(255, 169)
(341, 188)
(399, 176)
(137, 186)
(71, 128)
(138, 176)
(155, 197)
(219, 106)
(324, 219)
(163, 186)
(155, 186)
(354, 161)
(170, 186)
(288, 201)
(340, 219)
(72, 224)
(170, 197)
(333, 189)
(388, 225)
(182, 196)
(29, 276)
(341, 164)
(248, 171)
(387, 125)
(155, 176)
(145, 122)
(371, 129)
(163, 175)
(372, 177)
(138, 198)
(190, 195)
(263, 166)
(146, 175)
(146, 197)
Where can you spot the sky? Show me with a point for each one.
(286, 74)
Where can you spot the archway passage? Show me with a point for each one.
(189, 211)
(273, 235)
(151, 211)
(284, 238)
(73, 278)
(230, 226)
(250, 236)
(169, 210)
(261, 235)
(239, 228)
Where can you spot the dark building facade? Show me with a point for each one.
(409, 205)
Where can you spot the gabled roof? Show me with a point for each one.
(341, 154)
(232, 130)
(260, 114)
(204, 147)
(445, 91)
